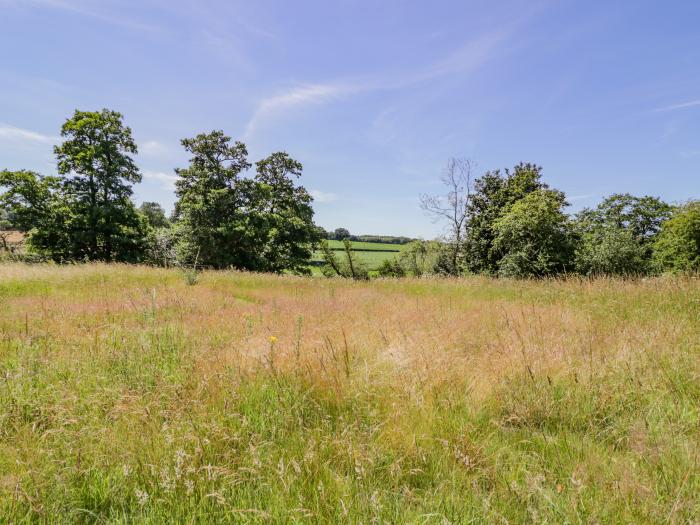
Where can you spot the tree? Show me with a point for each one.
(95, 159)
(534, 236)
(452, 208)
(610, 251)
(6, 222)
(349, 267)
(212, 201)
(38, 207)
(155, 214)
(494, 193)
(262, 224)
(283, 216)
(677, 246)
(642, 216)
(340, 234)
(617, 236)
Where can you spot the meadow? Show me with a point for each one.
(129, 396)
(371, 254)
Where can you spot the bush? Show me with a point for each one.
(161, 247)
(611, 251)
(391, 268)
(533, 239)
(677, 247)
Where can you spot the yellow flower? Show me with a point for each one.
(273, 339)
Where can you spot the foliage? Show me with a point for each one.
(421, 258)
(641, 216)
(533, 239)
(494, 193)
(348, 265)
(677, 246)
(38, 206)
(452, 208)
(6, 220)
(261, 224)
(161, 247)
(340, 234)
(95, 160)
(391, 268)
(155, 214)
(610, 250)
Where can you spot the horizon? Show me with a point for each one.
(371, 99)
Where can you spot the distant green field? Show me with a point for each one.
(369, 246)
(371, 254)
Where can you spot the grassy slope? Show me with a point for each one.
(126, 395)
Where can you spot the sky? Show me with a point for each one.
(371, 96)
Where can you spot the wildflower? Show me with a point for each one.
(189, 486)
(126, 470)
(141, 496)
(166, 481)
(273, 339)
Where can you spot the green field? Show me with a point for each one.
(129, 396)
(371, 254)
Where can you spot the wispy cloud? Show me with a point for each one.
(167, 180)
(300, 96)
(683, 105)
(464, 59)
(90, 8)
(25, 135)
(583, 197)
(323, 196)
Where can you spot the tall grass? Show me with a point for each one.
(128, 396)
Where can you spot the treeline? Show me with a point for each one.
(222, 218)
(512, 224)
(340, 234)
(504, 223)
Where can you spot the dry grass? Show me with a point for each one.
(126, 395)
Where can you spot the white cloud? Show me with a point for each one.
(684, 105)
(323, 196)
(167, 180)
(25, 135)
(152, 147)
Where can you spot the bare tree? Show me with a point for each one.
(452, 207)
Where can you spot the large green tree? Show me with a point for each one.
(617, 237)
(96, 161)
(37, 207)
(282, 216)
(154, 214)
(493, 195)
(534, 236)
(677, 246)
(263, 223)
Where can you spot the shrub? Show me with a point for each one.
(533, 239)
(677, 247)
(391, 268)
(610, 251)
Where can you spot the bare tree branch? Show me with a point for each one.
(452, 207)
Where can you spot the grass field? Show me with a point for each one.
(128, 396)
(371, 254)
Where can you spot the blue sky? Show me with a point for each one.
(371, 96)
